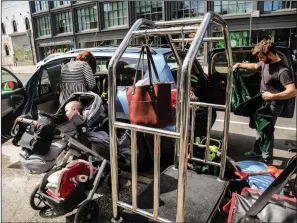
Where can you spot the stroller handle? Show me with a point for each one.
(25, 121)
(15, 128)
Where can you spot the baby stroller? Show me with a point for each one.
(69, 184)
(41, 147)
(71, 180)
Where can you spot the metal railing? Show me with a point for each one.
(182, 111)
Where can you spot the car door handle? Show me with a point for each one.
(16, 101)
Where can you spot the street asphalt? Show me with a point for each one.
(17, 185)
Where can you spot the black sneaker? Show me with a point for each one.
(268, 161)
(125, 140)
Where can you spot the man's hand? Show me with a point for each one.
(267, 96)
(290, 92)
(248, 66)
(235, 66)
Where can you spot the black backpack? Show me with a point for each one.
(36, 139)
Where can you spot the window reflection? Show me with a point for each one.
(187, 9)
(279, 5)
(226, 7)
(151, 10)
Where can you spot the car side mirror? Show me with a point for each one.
(9, 86)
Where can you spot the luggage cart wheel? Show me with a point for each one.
(36, 200)
(88, 212)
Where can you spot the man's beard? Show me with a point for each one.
(268, 61)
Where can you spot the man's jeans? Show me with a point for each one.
(276, 110)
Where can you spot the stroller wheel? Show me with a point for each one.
(36, 200)
(88, 212)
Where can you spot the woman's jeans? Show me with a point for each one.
(267, 149)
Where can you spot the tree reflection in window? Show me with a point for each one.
(187, 9)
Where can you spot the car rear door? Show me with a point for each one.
(218, 73)
(47, 99)
(217, 69)
(13, 100)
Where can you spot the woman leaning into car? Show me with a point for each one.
(78, 76)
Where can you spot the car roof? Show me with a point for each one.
(131, 52)
(249, 48)
(113, 48)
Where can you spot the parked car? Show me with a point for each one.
(37, 94)
(47, 59)
(38, 89)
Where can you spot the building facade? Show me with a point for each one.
(17, 36)
(60, 26)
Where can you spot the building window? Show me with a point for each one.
(3, 28)
(41, 5)
(87, 18)
(115, 14)
(187, 9)
(151, 10)
(43, 26)
(14, 26)
(279, 5)
(6, 50)
(237, 38)
(60, 3)
(63, 22)
(226, 7)
(27, 23)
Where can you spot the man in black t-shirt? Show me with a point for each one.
(277, 84)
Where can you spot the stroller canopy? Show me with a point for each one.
(92, 106)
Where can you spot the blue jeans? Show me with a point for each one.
(276, 110)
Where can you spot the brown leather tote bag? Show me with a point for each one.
(149, 105)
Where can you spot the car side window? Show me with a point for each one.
(8, 81)
(172, 63)
(220, 65)
(44, 86)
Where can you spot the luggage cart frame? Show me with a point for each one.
(167, 29)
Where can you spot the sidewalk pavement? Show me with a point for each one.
(25, 69)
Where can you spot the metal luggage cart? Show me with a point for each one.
(184, 195)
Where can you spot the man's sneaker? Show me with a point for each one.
(125, 140)
(252, 153)
(268, 161)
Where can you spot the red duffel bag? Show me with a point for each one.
(264, 206)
